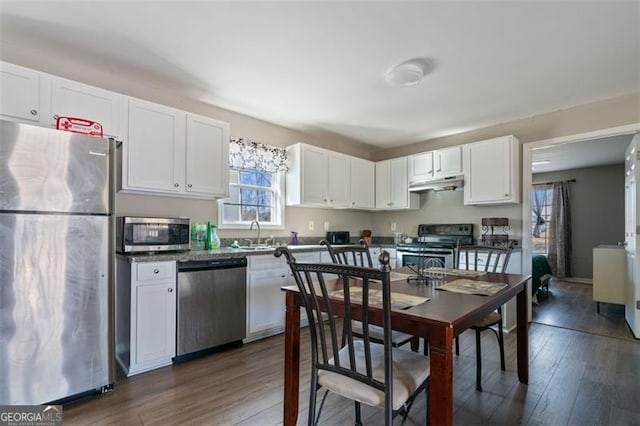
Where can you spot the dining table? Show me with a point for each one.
(438, 320)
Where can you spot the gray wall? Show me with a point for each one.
(597, 211)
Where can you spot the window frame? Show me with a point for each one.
(277, 188)
(546, 208)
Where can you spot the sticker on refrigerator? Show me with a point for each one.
(79, 125)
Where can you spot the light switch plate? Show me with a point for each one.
(326, 226)
(393, 226)
(311, 225)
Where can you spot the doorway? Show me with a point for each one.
(594, 163)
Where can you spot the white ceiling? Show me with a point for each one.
(319, 66)
(596, 152)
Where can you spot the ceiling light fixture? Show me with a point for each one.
(408, 73)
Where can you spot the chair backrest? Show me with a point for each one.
(359, 287)
(483, 258)
(353, 254)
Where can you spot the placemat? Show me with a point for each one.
(398, 300)
(465, 286)
(458, 272)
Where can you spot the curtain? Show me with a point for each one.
(539, 200)
(559, 255)
(248, 154)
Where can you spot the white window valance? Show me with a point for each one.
(248, 154)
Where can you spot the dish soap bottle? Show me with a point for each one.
(213, 241)
(294, 238)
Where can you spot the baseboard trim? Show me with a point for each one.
(577, 280)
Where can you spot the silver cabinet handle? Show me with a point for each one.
(189, 185)
(156, 271)
(34, 112)
(506, 195)
(170, 290)
(176, 185)
(353, 203)
(284, 276)
(55, 117)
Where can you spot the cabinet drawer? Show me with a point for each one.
(265, 261)
(156, 271)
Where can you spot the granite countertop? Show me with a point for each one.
(221, 252)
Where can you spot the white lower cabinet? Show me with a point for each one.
(145, 315)
(266, 275)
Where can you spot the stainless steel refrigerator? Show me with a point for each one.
(56, 264)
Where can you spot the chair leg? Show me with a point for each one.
(358, 414)
(478, 362)
(457, 345)
(415, 344)
(501, 345)
(426, 347)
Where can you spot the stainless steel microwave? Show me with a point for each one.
(142, 234)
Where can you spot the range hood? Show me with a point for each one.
(446, 184)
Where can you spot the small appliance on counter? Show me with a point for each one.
(152, 234)
(338, 237)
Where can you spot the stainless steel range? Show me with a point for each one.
(435, 242)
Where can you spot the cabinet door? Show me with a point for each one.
(363, 176)
(72, 99)
(339, 177)
(155, 323)
(20, 93)
(265, 301)
(155, 148)
(448, 162)
(399, 183)
(490, 169)
(421, 167)
(207, 156)
(314, 176)
(383, 184)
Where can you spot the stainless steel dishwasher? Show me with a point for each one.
(211, 309)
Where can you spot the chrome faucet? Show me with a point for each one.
(258, 226)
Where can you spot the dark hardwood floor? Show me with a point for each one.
(576, 378)
(570, 305)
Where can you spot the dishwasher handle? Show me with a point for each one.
(208, 265)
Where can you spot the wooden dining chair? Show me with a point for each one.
(359, 255)
(488, 259)
(362, 370)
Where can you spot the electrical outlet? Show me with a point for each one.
(393, 226)
(311, 225)
(326, 226)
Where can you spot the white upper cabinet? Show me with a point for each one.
(447, 162)
(317, 177)
(492, 171)
(33, 97)
(420, 167)
(20, 94)
(171, 152)
(154, 153)
(437, 164)
(207, 156)
(339, 188)
(72, 99)
(363, 177)
(392, 186)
